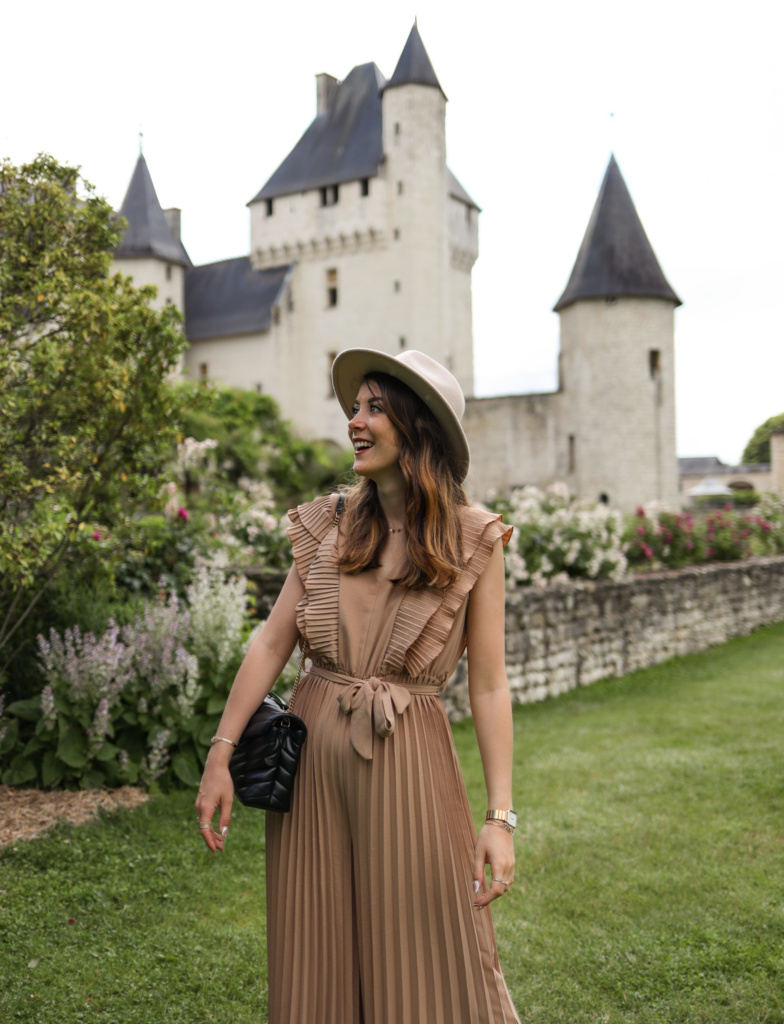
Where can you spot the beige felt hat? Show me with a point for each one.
(434, 384)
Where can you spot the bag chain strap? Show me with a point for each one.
(338, 511)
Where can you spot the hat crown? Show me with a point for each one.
(444, 383)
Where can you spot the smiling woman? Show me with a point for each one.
(378, 859)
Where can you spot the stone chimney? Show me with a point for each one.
(173, 216)
(325, 87)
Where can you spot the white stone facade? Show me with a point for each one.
(609, 432)
(168, 278)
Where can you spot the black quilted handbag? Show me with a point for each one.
(265, 762)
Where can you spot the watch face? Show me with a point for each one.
(512, 819)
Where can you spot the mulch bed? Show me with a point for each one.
(26, 813)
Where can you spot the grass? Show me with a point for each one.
(650, 872)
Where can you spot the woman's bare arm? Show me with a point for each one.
(488, 690)
(256, 676)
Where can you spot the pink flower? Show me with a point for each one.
(690, 544)
(646, 550)
(182, 513)
(96, 535)
(641, 530)
(640, 512)
(728, 507)
(709, 552)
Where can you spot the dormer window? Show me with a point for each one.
(329, 195)
(364, 187)
(269, 203)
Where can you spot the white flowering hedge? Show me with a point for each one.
(138, 703)
(558, 538)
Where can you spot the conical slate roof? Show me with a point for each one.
(414, 67)
(148, 232)
(615, 258)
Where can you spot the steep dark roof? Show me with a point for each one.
(228, 298)
(615, 257)
(342, 144)
(414, 67)
(710, 465)
(457, 191)
(148, 232)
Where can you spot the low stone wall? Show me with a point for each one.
(563, 637)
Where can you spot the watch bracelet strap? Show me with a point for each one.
(303, 643)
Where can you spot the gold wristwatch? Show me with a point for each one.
(506, 819)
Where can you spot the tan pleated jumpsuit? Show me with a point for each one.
(369, 877)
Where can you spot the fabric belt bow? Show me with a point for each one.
(372, 703)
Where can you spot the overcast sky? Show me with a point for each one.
(689, 96)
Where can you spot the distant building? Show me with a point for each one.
(364, 237)
(609, 430)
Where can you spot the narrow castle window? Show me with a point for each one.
(364, 187)
(654, 362)
(168, 272)
(332, 288)
(468, 214)
(269, 207)
(276, 314)
(331, 357)
(402, 342)
(572, 453)
(397, 127)
(289, 301)
(397, 234)
(400, 188)
(329, 195)
(397, 286)
(203, 370)
(259, 389)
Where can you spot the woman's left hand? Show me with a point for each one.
(495, 847)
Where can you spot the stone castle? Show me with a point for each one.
(364, 237)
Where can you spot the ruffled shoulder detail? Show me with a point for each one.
(310, 523)
(426, 617)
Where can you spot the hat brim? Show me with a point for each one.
(353, 365)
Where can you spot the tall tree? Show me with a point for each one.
(86, 411)
(758, 447)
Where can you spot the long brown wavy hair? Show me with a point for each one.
(434, 494)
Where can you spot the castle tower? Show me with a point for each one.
(150, 250)
(616, 367)
(378, 236)
(414, 139)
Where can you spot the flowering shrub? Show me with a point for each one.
(138, 703)
(656, 536)
(218, 610)
(559, 538)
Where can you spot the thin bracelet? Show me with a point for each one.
(501, 824)
(222, 739)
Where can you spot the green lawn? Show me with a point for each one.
(650, 872)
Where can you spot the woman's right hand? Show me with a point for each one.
(216, 790)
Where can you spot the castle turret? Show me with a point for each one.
(151, 251)
(616, 366)
(414, 140)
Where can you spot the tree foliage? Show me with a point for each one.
(86, 412)
(253, 442)
(758, 448)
